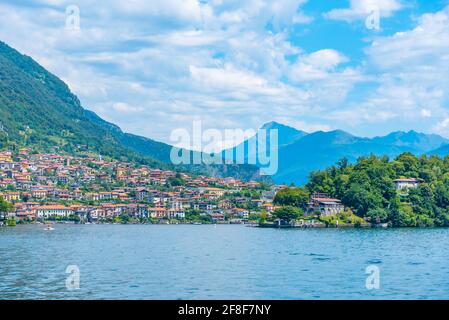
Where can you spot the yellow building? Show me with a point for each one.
(5, 156)
(11, 196)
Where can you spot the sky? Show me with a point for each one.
(156, 66)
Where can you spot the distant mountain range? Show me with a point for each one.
(300, 152)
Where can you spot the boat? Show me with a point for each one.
(49, 228)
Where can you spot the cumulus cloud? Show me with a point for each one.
(410, 72)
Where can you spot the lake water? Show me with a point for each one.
(222, 262)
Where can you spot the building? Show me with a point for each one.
(6, 156)
(11, 196)
(406, 183)
(175, 214)
(53, 211)
(217, 192)
(217, 217)
(242, 213)
(321, 202)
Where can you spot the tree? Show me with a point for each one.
(5, 208)
(362, 199)
(377, 215)
(175, 181)
(297, 197)
(287, 213)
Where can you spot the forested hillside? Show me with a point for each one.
(368, 188)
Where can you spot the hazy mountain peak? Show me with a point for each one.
(277, 125)
(417, 141)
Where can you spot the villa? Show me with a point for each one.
(321, 202)
(406, 183)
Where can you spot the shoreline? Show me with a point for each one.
(252, 225)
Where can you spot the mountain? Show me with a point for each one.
(418, 142)
(37, 109)
(443, 151)
(286, 136)
(322, 149)
(299, 155)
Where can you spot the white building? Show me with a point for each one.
(406, 183)
(327, 206)
(53, 211)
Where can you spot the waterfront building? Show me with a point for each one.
(327, 206)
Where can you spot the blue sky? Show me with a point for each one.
(155, 66)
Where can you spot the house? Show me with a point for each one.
(203, 206)
(217, 217)
(242, 213)
(175, 214)
(97, 213)
(406, 183)
(6, 156)
(158, 213)
(176, 204)
(11, 196)
(321, 202)
(215, 192)
(39, 194)
(269, 207)
(53, 211)
(143, 194)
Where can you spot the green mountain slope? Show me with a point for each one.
(37, 109)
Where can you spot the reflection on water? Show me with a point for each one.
(222, 262)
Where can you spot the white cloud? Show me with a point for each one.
(325, 59)
(442, 127)
(409, 71)
(125, 108)
(426, 113)
(361, 9)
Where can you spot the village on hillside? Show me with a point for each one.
(67, 188)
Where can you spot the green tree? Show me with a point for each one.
(377, 215)
(287, 213)
(297, 197)
(5, 208)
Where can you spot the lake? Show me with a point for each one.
(222, 262)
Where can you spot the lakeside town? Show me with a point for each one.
(86, 190)
(64, 188)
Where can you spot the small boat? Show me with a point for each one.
(49, 228)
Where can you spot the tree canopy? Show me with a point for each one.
(287, 213)
(297, 197)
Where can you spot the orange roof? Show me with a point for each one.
(53, 208)
(158, 209)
